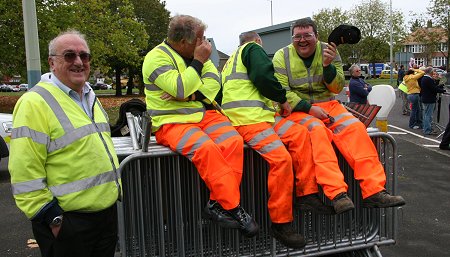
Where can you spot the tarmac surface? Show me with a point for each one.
(423, 224)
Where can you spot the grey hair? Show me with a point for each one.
(184, 27)
(245, 37)
(52, 44)
(352, 68)
(429, 70)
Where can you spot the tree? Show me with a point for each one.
(154, 16)
(440, 12)
(12, 44)
(372, 18)
(329, 19)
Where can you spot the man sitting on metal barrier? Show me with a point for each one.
(181, 82)
(311, 72)
(249, 90)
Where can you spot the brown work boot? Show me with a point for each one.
(383, 200)
(313, 203)
(342, 203)
(285, 234)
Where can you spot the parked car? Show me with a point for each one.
(440, 72)
(5, 133)
(15, 88)
(23, 87)
(100, 85)
(5, 88)
(386, 74)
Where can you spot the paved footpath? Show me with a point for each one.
(424, 181)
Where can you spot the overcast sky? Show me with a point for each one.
(226, 19)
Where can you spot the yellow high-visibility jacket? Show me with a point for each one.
(164, 70)
(58, 152)
(305, 83)
(242, 102)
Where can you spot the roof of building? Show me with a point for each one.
(420, 34)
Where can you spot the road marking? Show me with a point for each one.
(434, 146)
(414, 134)
(397, 133)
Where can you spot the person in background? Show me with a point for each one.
(429, 88)
(311, 72)
(359, 89)
(445, 142)
(403, 90)
(181, 82)
(411, 81)
(4, 151)
(62, 162)
(249, 90)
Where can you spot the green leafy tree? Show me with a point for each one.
(12, 44)
(372, 18)
(439, 10)
(327, 20)
(154, 16)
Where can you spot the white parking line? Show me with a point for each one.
(414, 134)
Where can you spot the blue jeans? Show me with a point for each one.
(415, 117)
(428, 110)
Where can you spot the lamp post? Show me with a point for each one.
(271, 14)
(31, 42)
(390, 42)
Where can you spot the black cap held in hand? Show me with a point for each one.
(345, 34)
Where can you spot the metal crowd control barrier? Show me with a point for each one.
(160, 214)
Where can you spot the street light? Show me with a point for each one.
(391, 44)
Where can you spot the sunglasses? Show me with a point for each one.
(72, 56)
(306, 36)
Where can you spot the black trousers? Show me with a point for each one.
(81, 235)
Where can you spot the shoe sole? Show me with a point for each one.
(346, 209)
(294, 246)
(373, 205)
(223, 224)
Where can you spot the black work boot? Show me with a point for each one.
(247, 225)
(342, 203)
(313, 203)
(285, 234)
(214, 212)
(383, 200)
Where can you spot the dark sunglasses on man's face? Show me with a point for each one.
(71, 56)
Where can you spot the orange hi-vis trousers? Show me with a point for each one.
(287, 148)
(351, 138)
(215, 148)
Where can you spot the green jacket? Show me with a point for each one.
(61, 160)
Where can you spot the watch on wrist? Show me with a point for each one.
(57, 221)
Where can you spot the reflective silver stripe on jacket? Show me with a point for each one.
(180, 86)
(83, 184)
(36, 136)
(234, 74)
(183, 111)
(261, 136)
(152, 87)
(71, 134)
(155, 74)
(76, 134)
(211, 75)
(247, 103)
(28, 186)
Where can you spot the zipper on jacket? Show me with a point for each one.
(111, 159)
